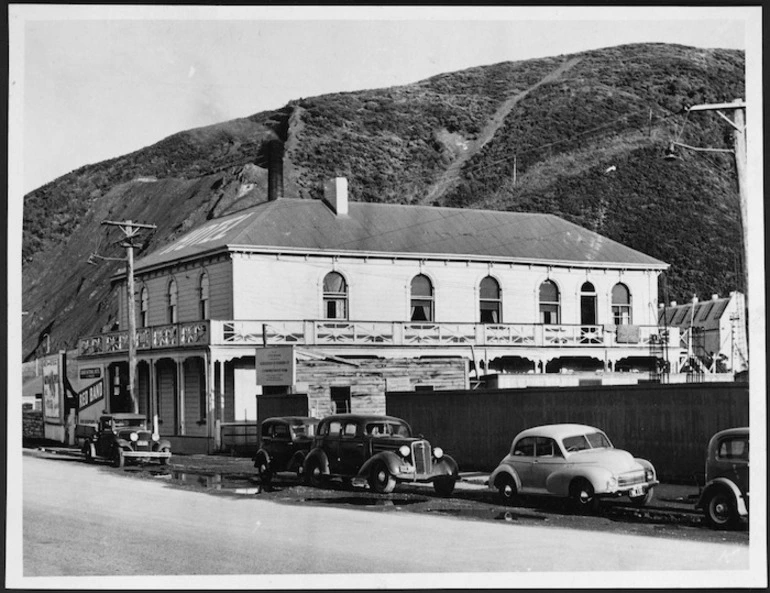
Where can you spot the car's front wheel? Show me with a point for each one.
(381, 480)
(506, 489)
(315, 475)
(583, 497)
(720, 510)
(118, 460)
(643, 500)
(264, 473)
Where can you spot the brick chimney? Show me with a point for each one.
(274, 170)
(336, 195)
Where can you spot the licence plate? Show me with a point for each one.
(141, 443)
(636, 491)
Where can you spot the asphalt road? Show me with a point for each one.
(81, 520)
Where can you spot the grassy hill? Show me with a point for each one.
(580, 136)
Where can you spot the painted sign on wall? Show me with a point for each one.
(276, 365)
(92, 393)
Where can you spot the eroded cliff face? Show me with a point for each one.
(578, 136)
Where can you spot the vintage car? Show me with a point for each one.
(378, 451)
(124, 437)
(283, 444)
(725, 497)
(573, 461)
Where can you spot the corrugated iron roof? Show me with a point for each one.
(705, 314)
(389, 229)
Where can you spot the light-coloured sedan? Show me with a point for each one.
(573, 461)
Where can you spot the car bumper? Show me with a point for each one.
(411, 476)
(632, 490)
(147, 454)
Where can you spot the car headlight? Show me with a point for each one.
(155, 436)
(404, 450)
(134, 437)
(612, 483)
(649, 475)
(438, 452)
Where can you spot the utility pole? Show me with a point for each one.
(739, 150)
(131, 230)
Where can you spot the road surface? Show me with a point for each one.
(79, 520)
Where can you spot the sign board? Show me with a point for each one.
(398, 384)
(53, 389)
(276, 365)
(90, 372)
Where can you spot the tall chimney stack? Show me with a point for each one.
(274, 170)
(336, 195)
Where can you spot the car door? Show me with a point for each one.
(330, 445)
(547, 460)
(522, 458)
(352, 448)
(733, 459)
(106, 438)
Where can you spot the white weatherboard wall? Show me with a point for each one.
(187, 278)
(291, 287)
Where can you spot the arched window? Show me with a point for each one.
(621, 304)
(144, 306)
(203, 303)
(172, 300)
(335, 296)
(549, 303)
(587, 304)
(490, 302)
(422, 299)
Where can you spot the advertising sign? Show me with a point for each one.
(53, 389)
(276, 365)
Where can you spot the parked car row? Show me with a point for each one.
(571, 461)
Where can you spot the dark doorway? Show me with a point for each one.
(341, 399)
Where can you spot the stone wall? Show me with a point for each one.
(32, 425)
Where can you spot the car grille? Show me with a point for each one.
(144, 437)
(631, 478)
(421, 456)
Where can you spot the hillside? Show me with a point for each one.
(581, 136)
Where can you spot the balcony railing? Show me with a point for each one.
(383, 333)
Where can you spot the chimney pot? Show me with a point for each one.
(336, 195)
(673, 303)
(714, 296)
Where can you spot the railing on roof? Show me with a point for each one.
(383, 333)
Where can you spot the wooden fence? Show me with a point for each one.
(668, 424)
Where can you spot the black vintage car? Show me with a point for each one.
(725, 497)
(283, 443)
(378, 451)
(125, 437)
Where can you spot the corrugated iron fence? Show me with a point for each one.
(668, 424)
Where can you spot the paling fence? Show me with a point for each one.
(668, 424)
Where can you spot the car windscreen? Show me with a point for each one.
(129, 423)
(303, 430)
(581, 442)
(383, 428)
